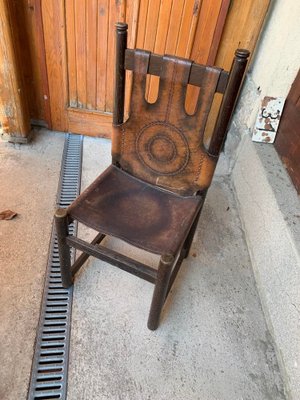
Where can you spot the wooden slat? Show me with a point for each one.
(242, 27)
(54, 36)
(71, 52)
(196, 75)
(202, 43)
(117, 11)
(174, 23)
(119, 260)
(81, 52)
(160, 44)
(206, 27)
(91, 57)
(102, 44)
(14, 114)
(141, 27)
(84, 256)
(132, 19)
(92, 123)
(218, 31)
(150, 34)
(187, 28)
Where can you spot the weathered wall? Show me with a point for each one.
(268, 203)
(277, 59)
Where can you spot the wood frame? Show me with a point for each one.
(169, 264)
(14, 108)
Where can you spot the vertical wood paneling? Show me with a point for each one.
(142, 20)
(160, 44)
(102, 44)
(202, 43)
(151, 27)
(53, 15)
(242, 27)
(187, 28)
(91, 56)
(81, 52)
(85, 29)
(174, 23)
(71, 52)
(182, 27)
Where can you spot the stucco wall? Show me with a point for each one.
(278, 56)
(268, 202)
(277, 59)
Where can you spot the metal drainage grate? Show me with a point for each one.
(51, 356)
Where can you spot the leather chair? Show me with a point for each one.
(152, 194)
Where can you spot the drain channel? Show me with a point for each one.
(51, 356)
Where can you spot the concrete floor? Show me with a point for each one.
(212, 344)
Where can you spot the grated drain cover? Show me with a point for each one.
(51, 355)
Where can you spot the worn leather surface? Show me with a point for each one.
(143, 215)
(160, 143)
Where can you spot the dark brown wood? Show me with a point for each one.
(160, 290)
(196, 75)
(175, 271)
(287, 141)
(84, 256)
(118, 260)
(61, 223)
(121, 44)
(152, 194)
(189, 239)
(229, 100)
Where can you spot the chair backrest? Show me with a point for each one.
(160, 143)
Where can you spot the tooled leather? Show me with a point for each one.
(160, 143)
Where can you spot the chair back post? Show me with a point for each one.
(121, 45)
(228, 102)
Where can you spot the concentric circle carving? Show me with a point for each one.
(162, 148)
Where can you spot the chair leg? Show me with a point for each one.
(61, 223)
(189, 240)
(160, 290)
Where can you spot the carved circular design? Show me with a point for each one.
(162, 148)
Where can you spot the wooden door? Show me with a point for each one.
(287, 141)
(79, 49)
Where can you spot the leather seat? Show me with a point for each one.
(146, 216)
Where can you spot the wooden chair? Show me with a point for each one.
(152, 194)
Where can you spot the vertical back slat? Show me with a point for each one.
(228, 101)
(116, 14)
